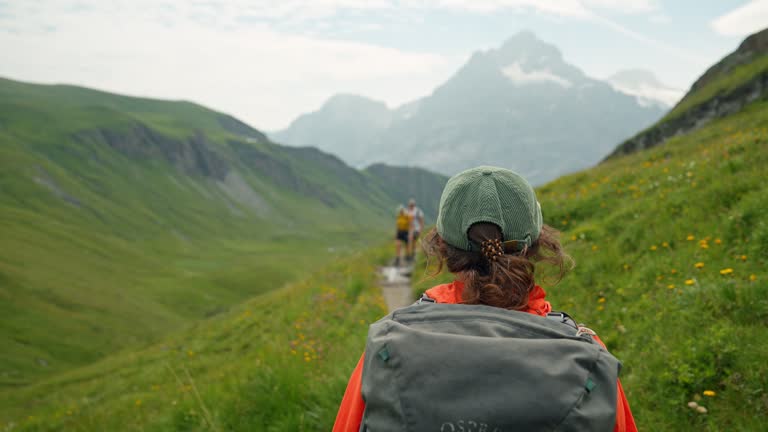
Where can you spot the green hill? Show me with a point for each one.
(124, 218)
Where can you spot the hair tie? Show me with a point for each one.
(492, 249)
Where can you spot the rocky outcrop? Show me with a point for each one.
(696, 117)
(193, 155)
(281, 172)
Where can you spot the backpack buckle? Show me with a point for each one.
(425, 299)
(585, 331)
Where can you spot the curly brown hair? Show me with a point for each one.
(506, 281)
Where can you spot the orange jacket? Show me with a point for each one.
(350, 413)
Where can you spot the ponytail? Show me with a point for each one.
(495, 277)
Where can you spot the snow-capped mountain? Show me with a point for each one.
(519, 106)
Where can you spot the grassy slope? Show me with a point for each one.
(100, 250)
(636, 226)
(275, 363)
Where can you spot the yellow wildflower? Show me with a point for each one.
(653, 248)
(671, 286)
(699, 265)
(138, 402)
(665, 244)
(709, 393)
(752, 277)
(600, 308)
(743, 257)
(689, 282)
(690, 237)
(718, 241)
(673, 271)
(601, 300)
(726, 271)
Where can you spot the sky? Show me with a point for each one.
(268, 61)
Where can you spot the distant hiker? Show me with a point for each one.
(417, 225)
(486, 352)
(403, 223)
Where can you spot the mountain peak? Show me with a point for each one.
(347, 100)
(526, 46)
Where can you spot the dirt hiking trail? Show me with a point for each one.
(396, 286)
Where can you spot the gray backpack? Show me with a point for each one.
(473, 368)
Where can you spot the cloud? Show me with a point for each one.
(743, 20)
(259, 74)
(660, 19)
(624, 6)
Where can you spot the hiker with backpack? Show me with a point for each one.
(402, 233)
(486, 353)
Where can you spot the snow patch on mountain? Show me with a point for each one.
(521, 77)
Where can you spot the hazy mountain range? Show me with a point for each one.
(519, 106)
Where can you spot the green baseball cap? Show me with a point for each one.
(489, 194)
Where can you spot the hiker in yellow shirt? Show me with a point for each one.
(402, 234)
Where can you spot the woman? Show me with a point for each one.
(489, 235)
